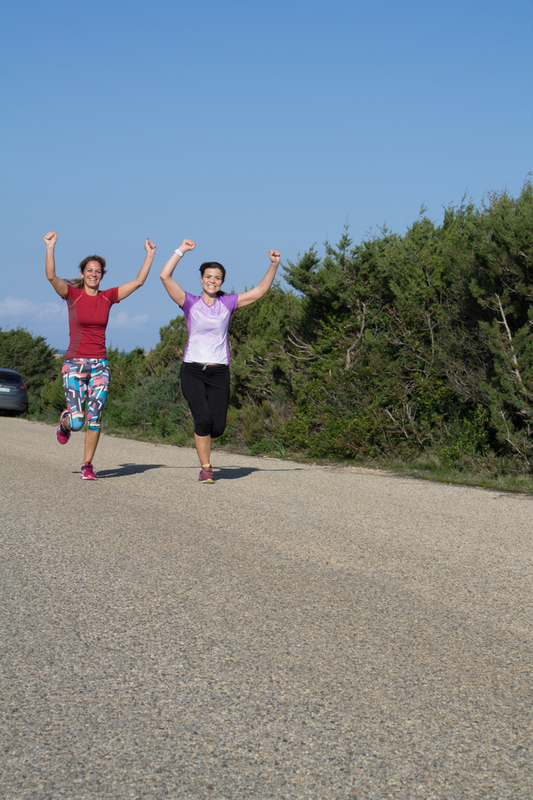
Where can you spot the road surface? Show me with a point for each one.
(292, 631)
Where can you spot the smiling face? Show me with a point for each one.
(212, 280)
(92, 274)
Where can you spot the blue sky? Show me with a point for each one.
(245, 126)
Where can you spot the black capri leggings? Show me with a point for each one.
(205, 387)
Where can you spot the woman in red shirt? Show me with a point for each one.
(86, 369)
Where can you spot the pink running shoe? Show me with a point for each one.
(88, 473)
(63, 434)
(206, 474)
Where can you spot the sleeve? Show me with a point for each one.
(112, 295)
(72, 294)
(187, 303)
(231, 302)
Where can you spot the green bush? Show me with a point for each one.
(53, 395)
(155, 406)
(257, 423)
(30, 355)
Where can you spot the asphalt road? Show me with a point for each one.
(292, 631)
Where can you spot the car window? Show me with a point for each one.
(9, 377)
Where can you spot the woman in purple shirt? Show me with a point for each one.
(204, 373)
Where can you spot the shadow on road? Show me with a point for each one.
(232, 473)
(124, 470)
(222, 473)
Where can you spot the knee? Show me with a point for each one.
(218, 429)
(76, 423)
(203, 427)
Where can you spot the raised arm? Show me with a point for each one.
(127, 288)
(173, 288)
(247, 298)
(59, 284)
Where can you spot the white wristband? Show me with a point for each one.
(179, 253)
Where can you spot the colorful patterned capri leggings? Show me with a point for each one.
(85, 381)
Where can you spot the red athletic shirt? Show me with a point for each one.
(87, 319)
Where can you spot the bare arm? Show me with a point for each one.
(127, 288)
(173, 288)
(247, 298)
(59, 284)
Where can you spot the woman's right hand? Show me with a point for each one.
(187, 244)
(58, 283)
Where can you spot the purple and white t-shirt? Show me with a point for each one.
(208, 328)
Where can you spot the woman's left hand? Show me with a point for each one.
(274, 256)
(149, 247)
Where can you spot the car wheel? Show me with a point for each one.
(23, 414)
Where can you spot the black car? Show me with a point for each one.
(13, 394)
